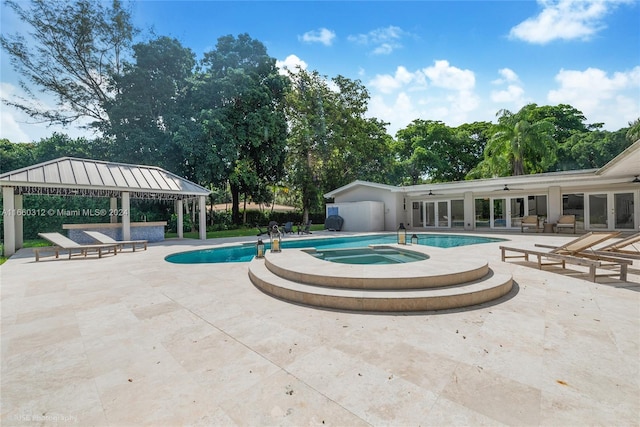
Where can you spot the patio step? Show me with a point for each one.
(486, 288)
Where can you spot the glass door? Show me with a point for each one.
(516, 205)
(623, 211)
(437, 214)
(598, 211)
(430, 214)
(443, 214)
(499, 213)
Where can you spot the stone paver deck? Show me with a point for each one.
(133, 340)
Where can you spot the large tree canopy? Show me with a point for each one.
(151, 105)
(71, 53)
(431, 150)
(522, 144)
(240, 115)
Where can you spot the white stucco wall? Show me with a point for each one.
(392, 202)
(360, 216)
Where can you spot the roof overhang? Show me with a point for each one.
(68, 176)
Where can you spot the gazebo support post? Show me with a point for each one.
(113, 206)
(126, 218)
(19, 222)
(203, 217)
(9, 206)
(179, 222)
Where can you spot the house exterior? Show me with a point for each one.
(607, 198)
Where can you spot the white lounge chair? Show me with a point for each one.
(103, 238)
(63, 243)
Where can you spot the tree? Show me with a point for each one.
(239, 100)
(432, 150)
(357, 147)
(15, 156)
(520, 145)
(633, 133)
(72, 52)
(593, 149)
(152, 106)
(307, 142)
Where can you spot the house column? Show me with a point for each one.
(179, 222)
(9, 213)
(126, 217)
(469, 214)
(554, 204)
(203, 217)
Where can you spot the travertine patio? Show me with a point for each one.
(133, 340)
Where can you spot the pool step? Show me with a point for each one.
(487, 288)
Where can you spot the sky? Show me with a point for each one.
(453, 61)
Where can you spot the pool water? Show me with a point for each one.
(245, 252)
(367, 256)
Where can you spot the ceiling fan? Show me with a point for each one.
(506, 188)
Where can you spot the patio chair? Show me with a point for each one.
(63, 243)
(627, 247)
(566, 221)
(529, 221)
(103, 238)
(578, 252)
(306, 229)
(288, 227)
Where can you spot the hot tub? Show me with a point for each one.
(376, 255)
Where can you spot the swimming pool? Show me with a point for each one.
(245, 252)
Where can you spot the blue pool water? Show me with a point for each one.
(245, 252)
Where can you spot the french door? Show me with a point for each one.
(610, 211)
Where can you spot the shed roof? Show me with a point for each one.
(74, 176)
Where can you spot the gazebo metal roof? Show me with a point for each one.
(69, 176)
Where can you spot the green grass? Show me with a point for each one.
(35, 243)
(238, 232)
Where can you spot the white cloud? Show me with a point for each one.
(513, 94)
(612, 100)
(565, 20)
(383, 40)
(17, 126)
(508, 75)
(440, 92)
(387, 83)
(321, 35)
(291, 63)
(443, 75)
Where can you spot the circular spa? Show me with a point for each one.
(373, 280)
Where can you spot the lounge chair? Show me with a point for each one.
(63, 243)
(104, 239)
(306, 229)
(629, 247)
(566, 221)
(530, 221)
(288, 227)
(577, 252)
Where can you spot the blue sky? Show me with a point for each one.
(454, 61)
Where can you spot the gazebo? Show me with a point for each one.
(68, 176)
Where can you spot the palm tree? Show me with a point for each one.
(522, 145)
